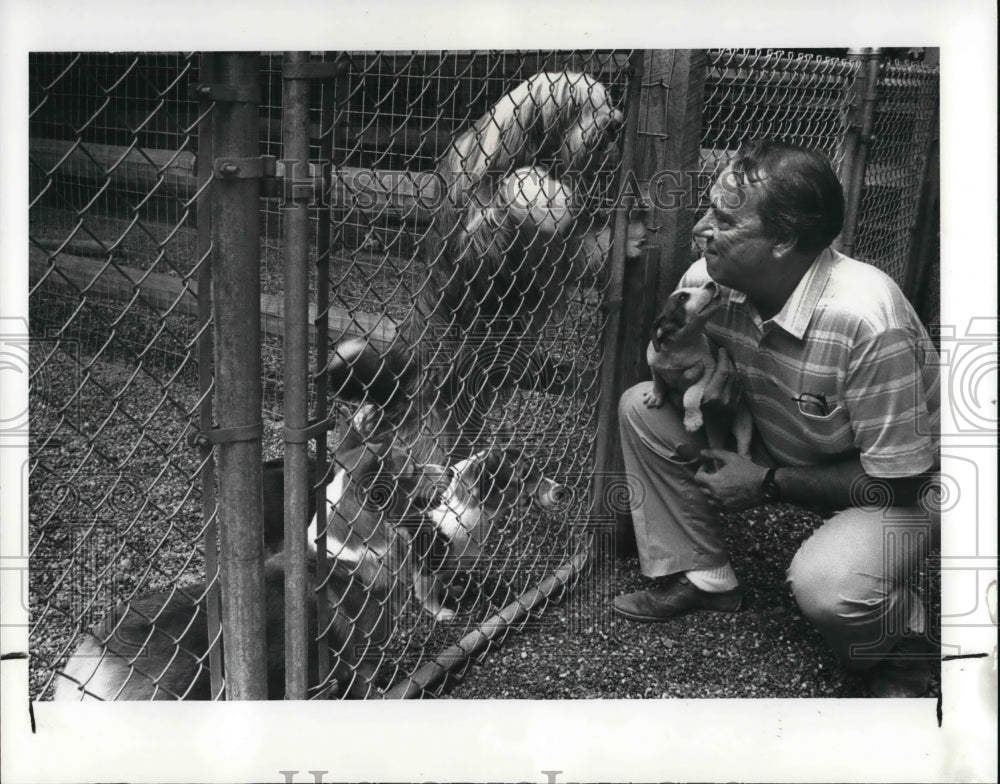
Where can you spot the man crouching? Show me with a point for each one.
(842, 381)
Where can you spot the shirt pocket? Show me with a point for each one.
(830, 432)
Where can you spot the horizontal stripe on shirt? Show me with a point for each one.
(846, 334)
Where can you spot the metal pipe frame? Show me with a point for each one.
(236, 301)
(295, 209)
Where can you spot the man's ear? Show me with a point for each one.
(782, 248)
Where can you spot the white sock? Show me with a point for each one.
(918, 618)
(722, 578)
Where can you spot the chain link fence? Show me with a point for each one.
(752, 95)
(818, 102)
(395, 249)
(899, 154)
(122, 508)
(115, 496)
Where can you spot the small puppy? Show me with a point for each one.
(682, 360)
(483, 490)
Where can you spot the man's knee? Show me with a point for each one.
(816, 587)
(854, 559)
(826, 570)
(634, 414)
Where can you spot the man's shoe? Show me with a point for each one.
(677, 597)
(909, 670)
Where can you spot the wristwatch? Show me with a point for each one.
(769, 487)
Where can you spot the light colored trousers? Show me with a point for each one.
(850, 578)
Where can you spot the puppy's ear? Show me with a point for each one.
(469, 473)
(358, 370)
(359, 463)
(419, 483)
(672, 319)
(530, 480)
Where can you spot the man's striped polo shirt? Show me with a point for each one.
(845, 369)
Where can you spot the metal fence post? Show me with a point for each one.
(236, 294)
(924, 227)
(925, 251)
(213, 608)
(666, 158)
(295, 210)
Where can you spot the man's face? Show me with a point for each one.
(736, 249)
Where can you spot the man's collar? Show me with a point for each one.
(798, 311)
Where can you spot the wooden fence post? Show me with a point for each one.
(670, 155)
(666, 169)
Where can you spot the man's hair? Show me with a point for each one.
(801, 197)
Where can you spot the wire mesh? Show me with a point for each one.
(115, 505)
(905, 123)
(392, 274)
(752, 94)
(807, 99)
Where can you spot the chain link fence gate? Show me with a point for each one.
(120, 350)
(382, 121)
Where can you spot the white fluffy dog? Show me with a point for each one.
(523, 220)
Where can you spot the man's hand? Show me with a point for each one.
(722, 393)
(734, 484)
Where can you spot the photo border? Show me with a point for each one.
(441, 740)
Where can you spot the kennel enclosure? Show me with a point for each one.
(188, 280)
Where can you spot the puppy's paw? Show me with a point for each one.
(429, 593)
(693, 419)
(652, 399)
(443, 614)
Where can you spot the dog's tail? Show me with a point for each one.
(360, 371)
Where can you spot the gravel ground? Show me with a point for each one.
(578, 649)
(114, 507)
